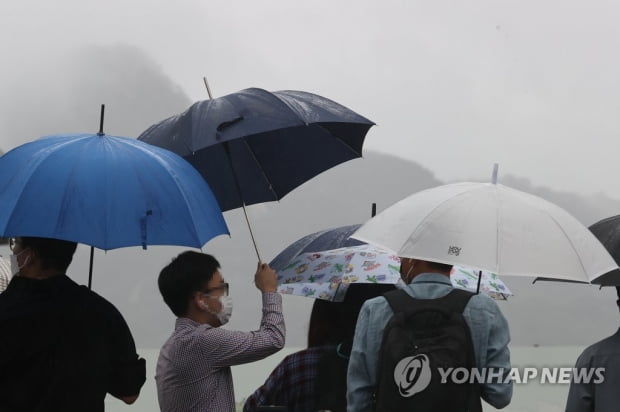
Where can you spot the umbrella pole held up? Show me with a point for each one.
(92, 249)
(242, 201)
(90, 270)
(373, 210)
(207, 86)
(251, 233)
(100, 133)
(479, 281)
(236, 180)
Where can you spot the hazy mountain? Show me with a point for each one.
(138, 94)
(131, 85)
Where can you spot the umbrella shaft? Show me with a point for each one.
(90, 270)
(251, 232)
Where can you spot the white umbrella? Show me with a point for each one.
(490, 227)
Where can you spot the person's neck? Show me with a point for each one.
(426, 273)
(40, 274)
(202, 318)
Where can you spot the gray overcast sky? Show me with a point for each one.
(452, 85)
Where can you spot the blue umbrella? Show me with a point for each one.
(255, 146)
(329, 239)
(107, 192)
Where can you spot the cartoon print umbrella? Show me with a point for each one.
(327, 274)
(469, 279)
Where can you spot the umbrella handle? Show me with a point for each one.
(479, 281)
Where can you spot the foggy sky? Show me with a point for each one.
(452, 85)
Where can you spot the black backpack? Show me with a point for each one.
(422, 336)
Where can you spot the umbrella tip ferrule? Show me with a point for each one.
(495, 170)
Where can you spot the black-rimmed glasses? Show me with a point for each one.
(223, 286)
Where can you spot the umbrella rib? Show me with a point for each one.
(290, 108)
(247, 145)
(339, 139)
(570, 241)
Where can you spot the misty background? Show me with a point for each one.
(453, 88)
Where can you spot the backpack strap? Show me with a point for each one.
(399, 300)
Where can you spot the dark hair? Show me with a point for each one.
(187, 273)
(53, 254)
(334, 322)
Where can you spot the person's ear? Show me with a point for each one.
(199, 302)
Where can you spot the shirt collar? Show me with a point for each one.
(182, 322)
(431, 277)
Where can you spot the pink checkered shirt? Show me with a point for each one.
(193, 369)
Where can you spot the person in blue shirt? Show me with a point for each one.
(430, 280)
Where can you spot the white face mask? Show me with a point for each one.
(227, 306)
(226, 312)
(15, 268)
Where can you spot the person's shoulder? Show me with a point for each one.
(313, 352)
(609, 345)
(481, 301)
(376, 302)
(95, 302)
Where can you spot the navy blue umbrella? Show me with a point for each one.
(256, 146)
(335, 238)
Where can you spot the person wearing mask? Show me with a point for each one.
(193, 369)
(63, 347)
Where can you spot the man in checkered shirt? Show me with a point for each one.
(5, 273)
(193, 369)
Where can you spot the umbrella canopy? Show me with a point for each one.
(607, 231)
(322, 244)
(490, 227)
(334, 238)
(327, 274)
(105, 191)
(256, 146)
